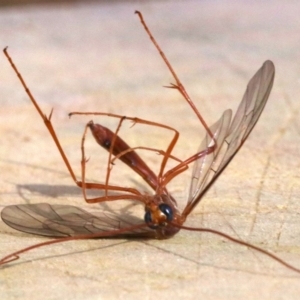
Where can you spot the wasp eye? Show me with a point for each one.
(148, 220)
(167, 211)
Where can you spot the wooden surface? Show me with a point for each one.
(97, 57)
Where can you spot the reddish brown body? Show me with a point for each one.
(162, 218)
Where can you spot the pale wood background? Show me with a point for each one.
(96, 57)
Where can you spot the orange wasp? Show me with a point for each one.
(162, 217)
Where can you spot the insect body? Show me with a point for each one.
(162, 218)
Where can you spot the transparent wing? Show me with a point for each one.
(66, 220)
(203, 167)
(230, 137)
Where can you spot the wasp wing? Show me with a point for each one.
(66, 220)
(202, 169)
(229, 137)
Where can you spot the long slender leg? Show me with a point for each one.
(128, 155)
(83, 164)
(123, 152)
(114, 139)
(146, 122)
(117, 147)
(48, 124)
(165, 178)
(178, 86)
(47, 120)
(104, 136)
(182, 166)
